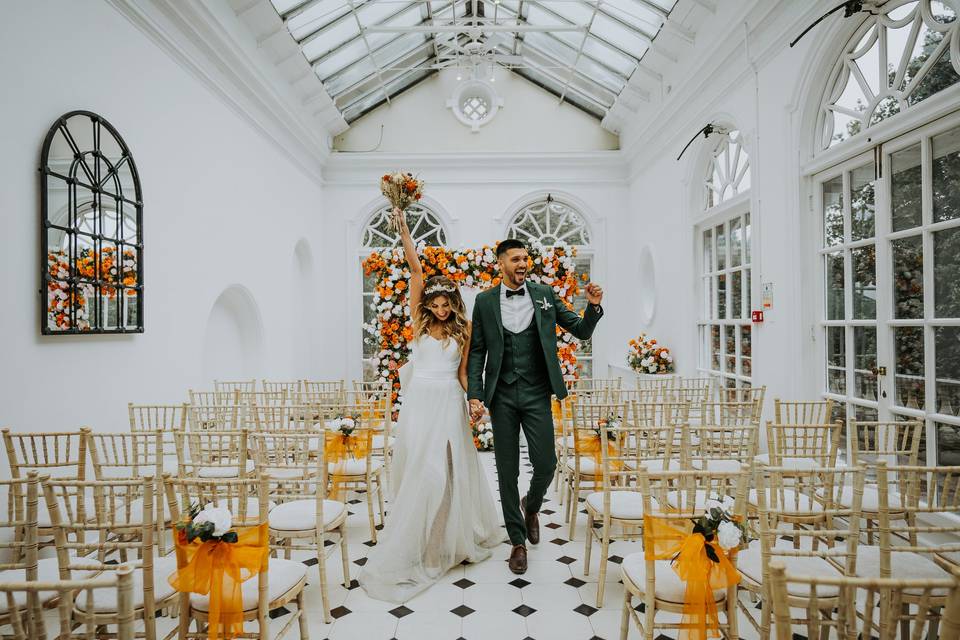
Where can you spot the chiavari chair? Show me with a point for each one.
(802, 412)
(120, 529)
(303, 515)
(655, 582)
(19, 544)
(743, 394)
(720, 447)
(363, 474)
(802, 446)
(655, 417)
(882, 615)
(376, 399)
(798, 498)
(217, 417)
(166, 418)
(263, 399)
(322, 391)
(211, 398)
(213, 454)
(292, 387)
(234, 386)
(279, 581)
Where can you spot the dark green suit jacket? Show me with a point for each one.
(486, 343)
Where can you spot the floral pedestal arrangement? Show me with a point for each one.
(650, 360)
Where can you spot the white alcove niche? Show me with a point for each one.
(647, 286)
(474, 103)
(233, 343)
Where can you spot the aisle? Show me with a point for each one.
(552, 601)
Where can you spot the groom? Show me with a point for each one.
(513, 369)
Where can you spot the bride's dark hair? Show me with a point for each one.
(455, 326)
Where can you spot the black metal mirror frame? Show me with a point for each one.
(94, 180)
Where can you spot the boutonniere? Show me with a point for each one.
(544, 304)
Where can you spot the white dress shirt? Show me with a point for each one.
(517, 311)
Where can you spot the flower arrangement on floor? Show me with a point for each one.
(646, 356)
(64, 296)
(392, 328)
(483, 435)
(402, 190)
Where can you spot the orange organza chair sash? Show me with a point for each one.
(592, 446)
(663, 540)
(338, 449)
(217, 569)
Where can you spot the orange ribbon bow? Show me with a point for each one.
(662, 541)
(593, 446)
(338, 449)
(218, 569)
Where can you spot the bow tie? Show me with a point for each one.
(518, 292)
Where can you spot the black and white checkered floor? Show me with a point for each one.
(554, 600)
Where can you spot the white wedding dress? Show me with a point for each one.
(441, 510)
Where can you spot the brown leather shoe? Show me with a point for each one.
(532, 522)
(518, 559)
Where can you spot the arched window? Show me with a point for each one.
(548, 222)
(377, 235)
(889, 229)
(894, 61)
(724, 235)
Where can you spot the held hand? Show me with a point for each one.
(476, 409)
(594, 293)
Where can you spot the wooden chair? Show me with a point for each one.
(802, 446)
(729, 414)
(292, 387)
(602, 390)
(802, 412)
(241, 386)
(742, 394)
(27, 620)
(788, 497)
(60, 454)
(217, 417)
(364, 475)
(211, 398)
(303, 516)
(655, 582)
(264, 398)
(654, 417)
(167, 418)
(619, 501)
(213, 454)
(720, 447)
(19, 544)
(374, 403)
(120, 529)
(582, 470)
(881, 616)
(279, 582)
(315, 390)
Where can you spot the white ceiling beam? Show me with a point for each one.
(709, 5)
(366, 43)
(680, 31)
(583, 42)
(490, 28)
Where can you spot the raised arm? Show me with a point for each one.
(581, 327)
(413, 261)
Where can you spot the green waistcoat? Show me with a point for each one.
(523, 356)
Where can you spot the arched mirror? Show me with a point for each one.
(91, 209)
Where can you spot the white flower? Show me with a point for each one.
(219, 516)
(728, 535)
(348, 423)
(711, 505)
(334, 425)
(728, 503)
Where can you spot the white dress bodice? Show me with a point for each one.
(435, 359)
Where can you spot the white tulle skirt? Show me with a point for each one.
(441, 510)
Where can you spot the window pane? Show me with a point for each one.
(708, 298)
(946, 176)
(736, 243)
(864, 282)
(946, 273)
(908, 378)
(862, 203)
(746, 350)
(836, 360)
(730, 349)
(908, 277)
(715, 348)
(707, 251)
(736, 300)
(834, 286)
(721, 248)
(947, 345)
(746, 238)
(948, 444)
(833, 212)
(865, 361)
(746, 291)
(905, 189)
(722, 296)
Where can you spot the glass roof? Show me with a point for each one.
(368, 51)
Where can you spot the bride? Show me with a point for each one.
(441, 509)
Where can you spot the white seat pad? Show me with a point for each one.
(871, 499)
(627, 505)
(788, 501)
(105, 600)
(654, 466)
(48, 570)
(750, 564)
(282, 577)
(377, 441)
(301, 515)
(667, 583)
(798, 464)
(903, 564)
(223, 472)
(354, 467)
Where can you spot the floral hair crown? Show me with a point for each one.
(439, 288)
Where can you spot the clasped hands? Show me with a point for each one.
(476, 410)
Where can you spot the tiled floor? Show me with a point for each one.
(554, 600)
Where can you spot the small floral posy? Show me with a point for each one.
(718, 524)
(210, 523)
(345, 424)
(610, 424)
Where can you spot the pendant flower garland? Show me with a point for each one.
(62, 295)
(392, 329)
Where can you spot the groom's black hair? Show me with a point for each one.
(509, 243)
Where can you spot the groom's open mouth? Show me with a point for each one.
(520, 274)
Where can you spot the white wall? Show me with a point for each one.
(530, 119)
(222, 207)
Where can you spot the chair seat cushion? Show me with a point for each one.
(223, 472)
(48, 570)
(654, 466)
(301, 515)
(283, 576)
(719, 465)
(668, 585)
(587, 466)
(870, 502)
(377, 441)
(627, 505)
(750, 564)
(903, 564)
(354, 467)
(798, 464)
(788, 501)
(105, 600)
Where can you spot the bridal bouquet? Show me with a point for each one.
(210, 523)
(646, 356)
(483, 436)
(401, 189)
